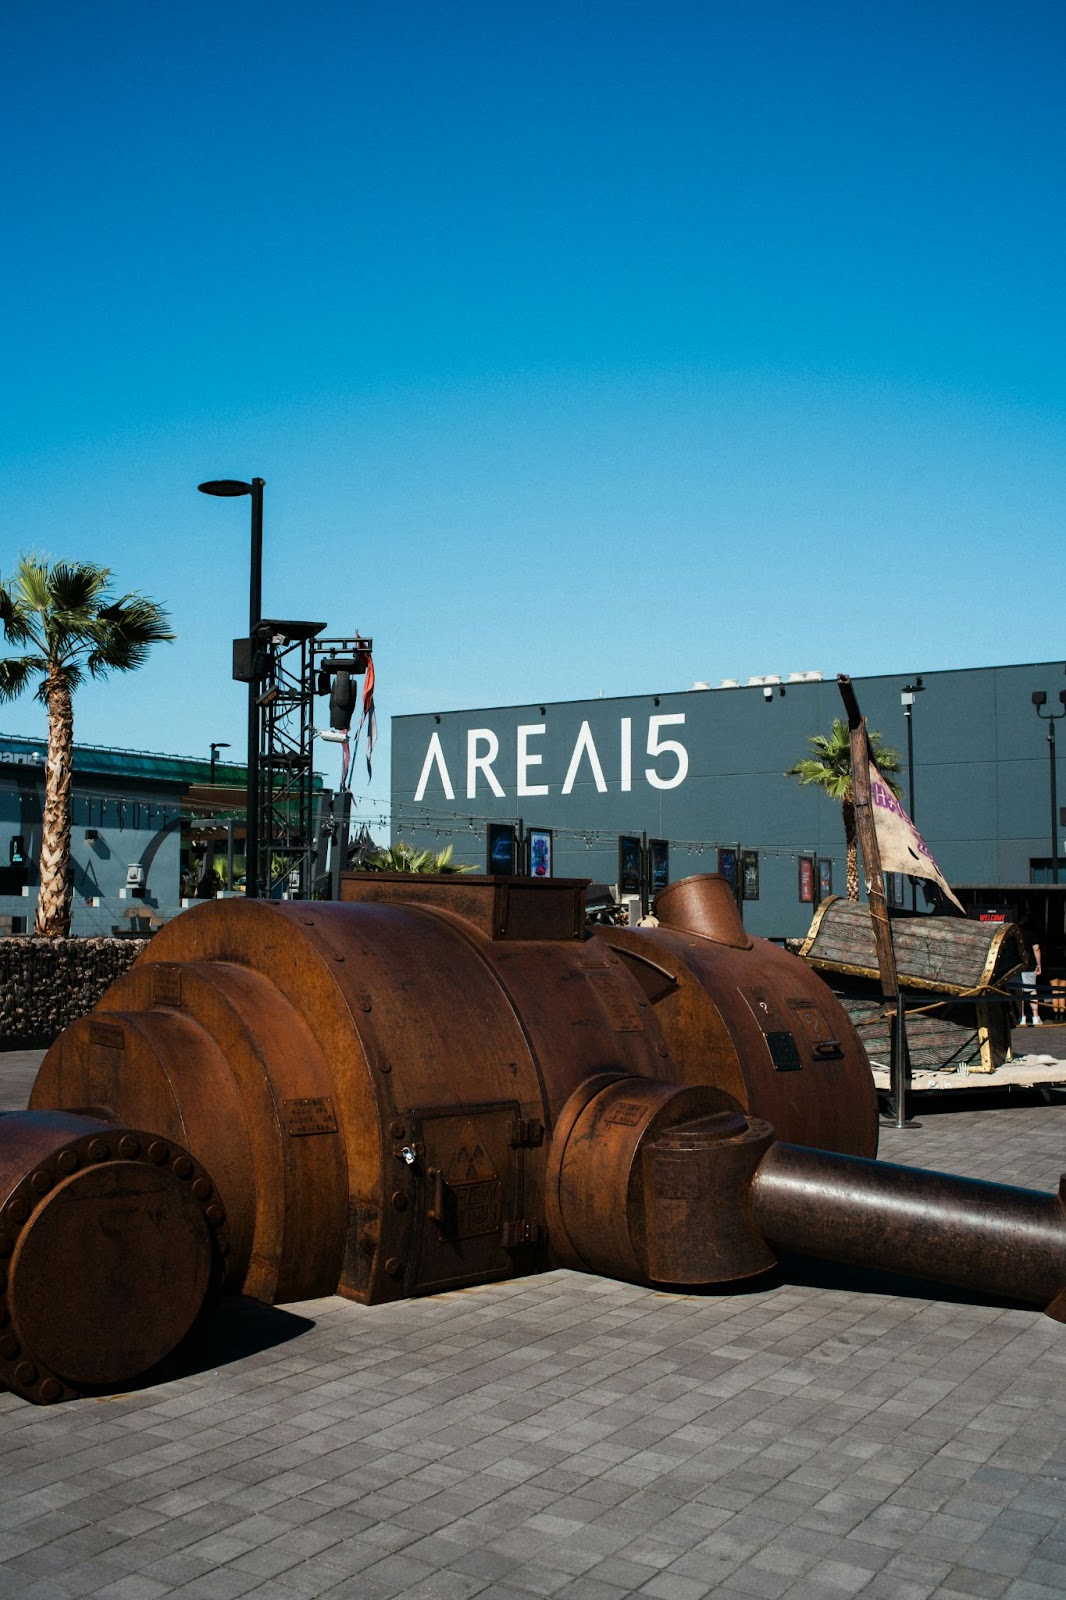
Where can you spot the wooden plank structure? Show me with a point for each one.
(954, 971)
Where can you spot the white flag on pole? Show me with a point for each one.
(901, 846)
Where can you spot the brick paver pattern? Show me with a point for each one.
(821, 1434)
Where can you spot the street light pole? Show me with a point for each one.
(1039, 699)
(216, 746)
(227, 488)
(907, 695)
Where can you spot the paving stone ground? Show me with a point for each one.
(822, 1435)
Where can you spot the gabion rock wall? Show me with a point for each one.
(46, 983)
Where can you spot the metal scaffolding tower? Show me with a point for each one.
(292, 664)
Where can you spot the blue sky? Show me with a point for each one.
(595, 347)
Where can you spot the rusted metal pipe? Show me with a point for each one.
(987, 1236)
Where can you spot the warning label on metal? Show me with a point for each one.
(314, 1114)
(474, 1182)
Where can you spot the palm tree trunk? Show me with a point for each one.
(55, 894)
(848, 808)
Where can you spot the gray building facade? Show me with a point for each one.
(702, 771)
(131, 819)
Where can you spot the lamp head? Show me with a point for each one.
(226, 488)
(1039, 698)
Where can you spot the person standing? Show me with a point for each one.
(1027, 1000)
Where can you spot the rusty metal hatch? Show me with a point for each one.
(469, 1192)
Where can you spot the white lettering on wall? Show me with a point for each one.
(527, 731)
(483, 751)
(482, 763)
(659, 747)
(435, 758)
(585, 746)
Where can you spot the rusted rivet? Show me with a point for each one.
(308, 922)
(50, 1390)
(41, 1181)
(663, 1051)
(67, 1161)
(394, 1266)
(159, 1152)
(129, 1147)
(337, 955)
(26, 1373)
(396, 1128)
(99, 1150)
(9, 1346)
(399, 1200)
(182, 1167)
(215, 1213)
(201, 1189)
(385, 1066)
(18, 1210)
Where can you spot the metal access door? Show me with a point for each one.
(469, 1190)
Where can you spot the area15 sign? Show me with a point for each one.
(483, 754)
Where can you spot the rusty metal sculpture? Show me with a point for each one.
(440, 1082)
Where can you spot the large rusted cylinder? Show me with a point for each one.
(444, 1081)
(110, 1240)
(375, 1085)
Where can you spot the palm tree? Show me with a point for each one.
(829, 769)
(69, 617)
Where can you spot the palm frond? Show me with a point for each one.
(828, 767)
(16, 672)
(31, 582)
(77, 588)
(404, 857)
(123, 633)
(13, 618)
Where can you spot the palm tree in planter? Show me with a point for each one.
(72, 622)
(829, 769)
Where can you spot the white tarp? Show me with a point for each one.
(901, 846)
